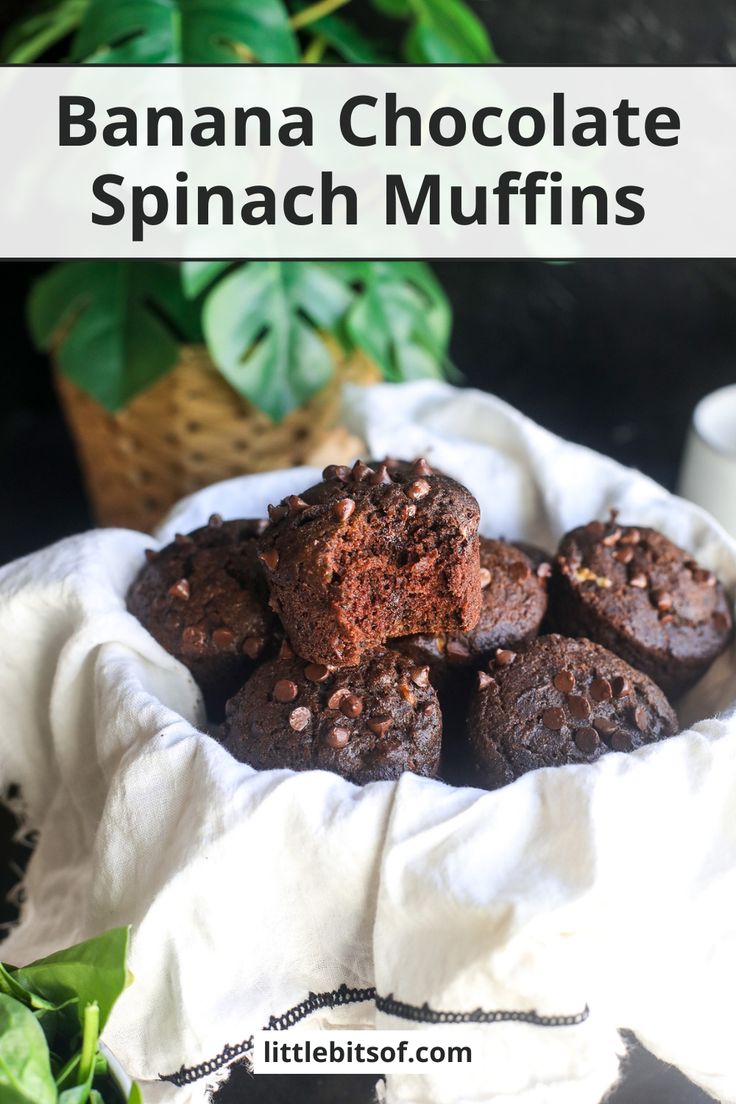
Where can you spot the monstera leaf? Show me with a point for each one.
(400, 318)
(442, 31)
(207, 32)
(263, 324)
(116, 326)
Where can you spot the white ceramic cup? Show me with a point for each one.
(708, 474)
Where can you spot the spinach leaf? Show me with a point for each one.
(94, 972)
(25, 1070)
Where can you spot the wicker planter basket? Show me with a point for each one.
(191, 429)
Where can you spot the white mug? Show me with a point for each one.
(708, 474)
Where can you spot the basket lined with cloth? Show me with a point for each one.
(547, 915)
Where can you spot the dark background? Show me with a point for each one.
(613, 354)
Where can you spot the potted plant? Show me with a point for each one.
(51, 1015)
(173, 376)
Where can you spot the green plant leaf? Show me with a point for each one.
(206, 32)
(12, 988)
(30, 38)
(25, 1068)
(400, 318)
(348, 41)
(136, 1096)
(262, 323)
(197, 276)
(94, 972)
(116, 326)
(446, 31)
(396, 9)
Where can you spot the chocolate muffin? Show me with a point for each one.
(205, 600)
(634, 591)
(561, 701)
(369, 554)
(513, 604)
(370, 722)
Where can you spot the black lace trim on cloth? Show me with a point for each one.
(187, 1075)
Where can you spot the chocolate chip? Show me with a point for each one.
(215, 521)
(485, 578)
(360, 471)
(270, 558)
(286, 651)
(553, 718)
(180, 589)
(277, 513)
(457, 649)
(612, 538)
(333, 702)
(564, 681)
(285, 690)
(662, 599)
(380, 724)
(519, 572)
(504, 656)
(624, 555)
(605, 726)
(299, 718)
(194, 639)
(182, 539)
(380, 476)
(600, 690)
(586, 739)
(421, 467)
(338, 737)
(223, 638)
(640, 719)
(639, 580)
(150, 554)
(407, 693)
(343, 508)
(596, 528)
(351, 705)
(620, 687)
(296, 504)
(484, 680)
(252, 646)
(630, 536)
(666, 618)
(720, 622)
(316, 672)
(579, 707)
(337, 471)
(420, 676)
(621, 741)
(418, 489)
(544, 570)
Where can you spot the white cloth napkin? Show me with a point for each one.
(609, 887)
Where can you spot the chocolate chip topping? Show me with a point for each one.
(285, 690)
(223, 638)
(215, 521)
(621, 741)
(457, 649)
(277, 513)
(504, 656)
(485, 578)
(150, 555)
(380, 724)
(338, 737)
(270, 558)
(180, 589)
(484, 680)
(299, 718)
(343, 508)
(351, 705)
(586, 739)
(316, 672)
(579, 707)
(564, 681)
(553, 718)
(418, 489)
(601, 690)
(252, 646)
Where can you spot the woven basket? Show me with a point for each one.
(191, 429)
